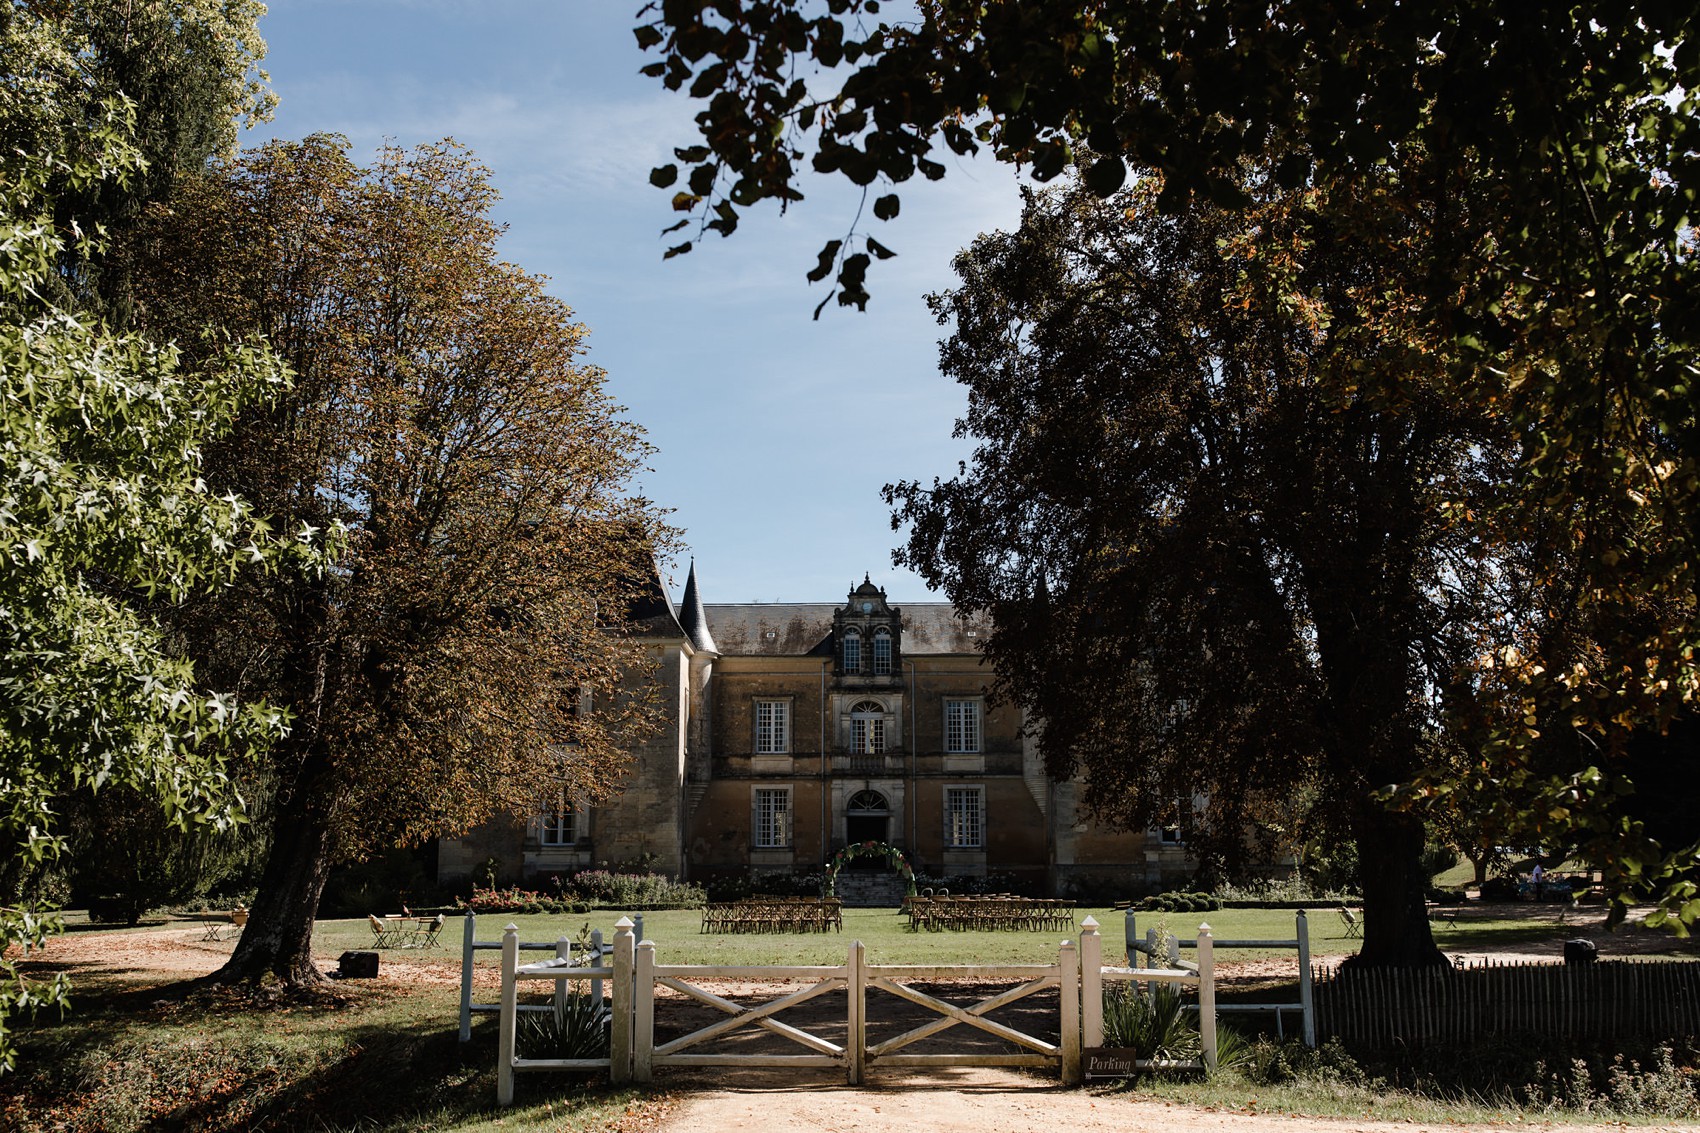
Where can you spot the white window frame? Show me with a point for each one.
(852, 646)
(867, 729)
(773, 735)
(964, 817)
(562, 824)
(882, 652)
(964, 732)
(771, 827)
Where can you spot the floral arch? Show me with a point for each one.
(890, 853)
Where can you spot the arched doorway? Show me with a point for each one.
(867, 818)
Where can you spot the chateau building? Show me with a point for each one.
(794, 729)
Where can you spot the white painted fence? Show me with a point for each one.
(1167, 952)
(1078, 975)
(1093, 976)
(561, 946)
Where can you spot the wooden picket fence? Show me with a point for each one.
(1615, 999)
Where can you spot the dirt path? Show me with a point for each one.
(989, 1101)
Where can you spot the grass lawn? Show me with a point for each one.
(679, 939)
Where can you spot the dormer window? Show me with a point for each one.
(868, 636)
(882, 651)
(852, 651)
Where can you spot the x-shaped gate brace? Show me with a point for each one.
(972, 1015)
(741, 1016)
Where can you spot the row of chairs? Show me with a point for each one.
(998, 911)
(774, 914)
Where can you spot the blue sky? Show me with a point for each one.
(775, 432)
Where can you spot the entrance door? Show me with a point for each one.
(867, 818)
(865, 828)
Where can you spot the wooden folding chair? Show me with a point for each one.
(1354, 926)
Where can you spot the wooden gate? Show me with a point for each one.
(1077, 976)
(857, 977)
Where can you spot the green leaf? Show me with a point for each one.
(879, 249)
(886, 207)
(647, 36)
(663, 175)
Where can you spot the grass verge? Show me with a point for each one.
(366, 1057)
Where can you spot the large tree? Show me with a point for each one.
(103, 508)
(1565, 293)
(187, 70)
(442, 417)
(1222, 559)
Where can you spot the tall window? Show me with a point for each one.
(852, 651)
(559, 825)
(1174, 835)
(961, 725)
(882, 651)
(867, 728)
(773, 818)
(773, 727)
(964, 818)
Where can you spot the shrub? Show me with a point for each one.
(1279, 1062)
(517, 900)
(1620, 1088)
(635, 890)
(1295, 890)
(1156, 1025)
(1180, 903)
(808, 883)
(577, 1028)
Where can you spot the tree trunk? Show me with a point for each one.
(278, 939)
(1396, 928)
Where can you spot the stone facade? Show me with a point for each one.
(793, 729)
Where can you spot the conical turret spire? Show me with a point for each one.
(691, 615)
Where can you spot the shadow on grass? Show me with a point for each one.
(188, 1057)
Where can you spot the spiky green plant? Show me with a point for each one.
(577, 1028)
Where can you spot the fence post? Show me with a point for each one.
(596, 962)
(466, 978)
(620, 1030)
(643, 1028)
(855, 1040)
(563, 951)
(1151, 948)
(1130, 934)
(1305, 1001)
(509, 1017)
(1068, 989)
(1207, 997)
(1091, 984)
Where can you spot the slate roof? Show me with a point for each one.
(691, 616)
(651, 611)
(805, 629)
